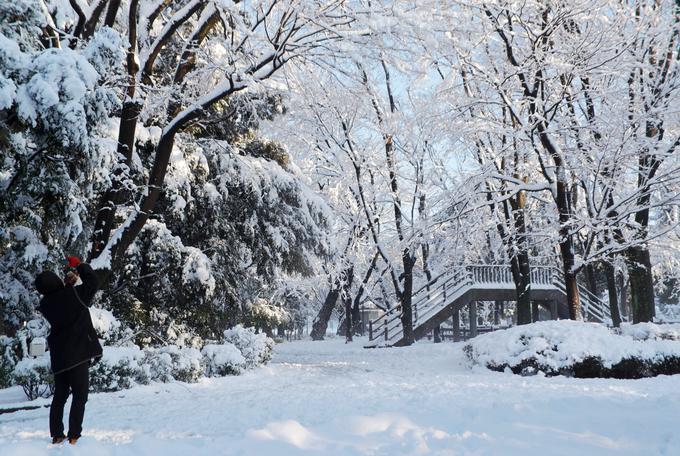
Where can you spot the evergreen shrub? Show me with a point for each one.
(256, 348)
(35, 377)
(222, 359)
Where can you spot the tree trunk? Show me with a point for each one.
(641, 284)
(116, 194)
(567, 252)
(406, 296)
(565, 215)
(320, 324)
(436, 334)
(571, 284)
(126, 140)
(111, 13)
(347, 301)
(358, 326)
(521, 275)
(425, 251)
(613, 299)
(147, 205)
(472, 308)
(623, 285)
(455, 320)
(523, 288)
(637, 256)
(342, 327)
(519, 259)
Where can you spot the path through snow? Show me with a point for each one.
(335, 399)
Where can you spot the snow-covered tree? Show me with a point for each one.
(54, 108)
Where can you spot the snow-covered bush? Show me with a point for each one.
(119, 368)
(223, 359)
(172, 362)
(127, 364)
(35, 377)
(186, 363)
(14, 349)
(256, 348)
(158, 365)
(577, 349)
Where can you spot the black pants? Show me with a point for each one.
(77, 382)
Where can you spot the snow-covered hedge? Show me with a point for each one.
(256, 348)
(223, 359)
(125, 364)
(17, 368)
(174, 363)
(580, 349)
(35, 377)
(119, 368)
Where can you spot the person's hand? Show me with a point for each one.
(71, 279)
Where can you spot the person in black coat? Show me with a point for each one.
(72, 342)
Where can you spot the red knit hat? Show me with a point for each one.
(71, 262)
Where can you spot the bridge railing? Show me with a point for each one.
(490, 273)
(426, 298)
(437, 287)
(423, 308)
(592, 307)
(542, 275)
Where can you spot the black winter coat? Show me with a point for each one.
(72, 339)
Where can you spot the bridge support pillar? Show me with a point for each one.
(456, 326)
(473, 318)
(534, 311)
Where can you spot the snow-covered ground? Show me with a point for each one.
(335, 399)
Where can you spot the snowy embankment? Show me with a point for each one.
(580, 349)
(330, 398)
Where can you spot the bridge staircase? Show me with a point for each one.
(448, 293)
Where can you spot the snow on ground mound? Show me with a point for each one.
(580, 349)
